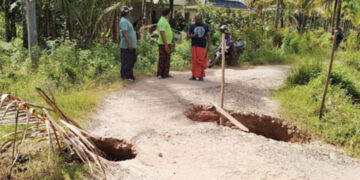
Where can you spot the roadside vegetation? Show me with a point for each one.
(307, 48)
(82, 70)
(79, 78)
(301, 98)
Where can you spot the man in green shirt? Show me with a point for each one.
(127, 45)
(165, 40)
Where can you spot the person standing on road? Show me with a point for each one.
(128, 45)
(199, 33)
(165, 40)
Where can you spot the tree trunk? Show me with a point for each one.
(333, 18)
(30, 8)
(304, 23)
(10, 25)
(300, 22)
(277, 15)
(7, 21)
(171, 6)
(24, 32)
(51, 23)
(115, 27)
(151, 16)
(143, 15)
(69, 28)
(338, 14)
(13, 23)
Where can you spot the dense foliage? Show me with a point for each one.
(79, 58)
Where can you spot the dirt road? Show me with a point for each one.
(149, 113)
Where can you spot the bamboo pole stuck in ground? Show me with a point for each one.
(223, 68)
(331, 60)
(223, 47)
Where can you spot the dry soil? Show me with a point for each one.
(149, 114)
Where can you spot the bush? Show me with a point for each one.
(340, 124)
(353, 41)
(262, 56)
(309, 42)
(179, 23)
(181, 56)
(147, 52)
(294, 43)
(352, 59)
(254, 38)
(302, 74)
(343, 80)
(2, 28)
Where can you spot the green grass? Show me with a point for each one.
(80, 79)
(264, 56)
(78, 104)
(301, 98)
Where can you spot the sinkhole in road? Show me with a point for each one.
(267, 126)
(114, 149)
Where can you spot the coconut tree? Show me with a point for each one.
(277, 15)
(10, 18)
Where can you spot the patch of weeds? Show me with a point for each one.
(340, 78)
(302, 74)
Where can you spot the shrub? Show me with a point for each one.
(262, 56)
(254, 38)
(341, 78)
(353, 41)
(181, 57)
(179, 23)
(302, 74)
(352, 59)
(2, 28)
(295, 43)
(340, 123)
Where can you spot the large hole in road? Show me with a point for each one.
(115, 149)
(267, 126)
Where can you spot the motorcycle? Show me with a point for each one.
(232, 53)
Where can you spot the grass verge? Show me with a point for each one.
(300, 100)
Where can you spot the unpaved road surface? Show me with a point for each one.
(149, 114)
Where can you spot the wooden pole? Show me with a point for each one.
(331, 61)
(223, 69)
(328, 78)
(222, 121)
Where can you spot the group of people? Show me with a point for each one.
(199, 33)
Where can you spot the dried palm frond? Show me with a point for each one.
(37, 123)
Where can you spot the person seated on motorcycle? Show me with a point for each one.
(227, 38)
(226, 31)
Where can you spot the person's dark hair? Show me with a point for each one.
(339, 29)
(123, 14)
(166, 11)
